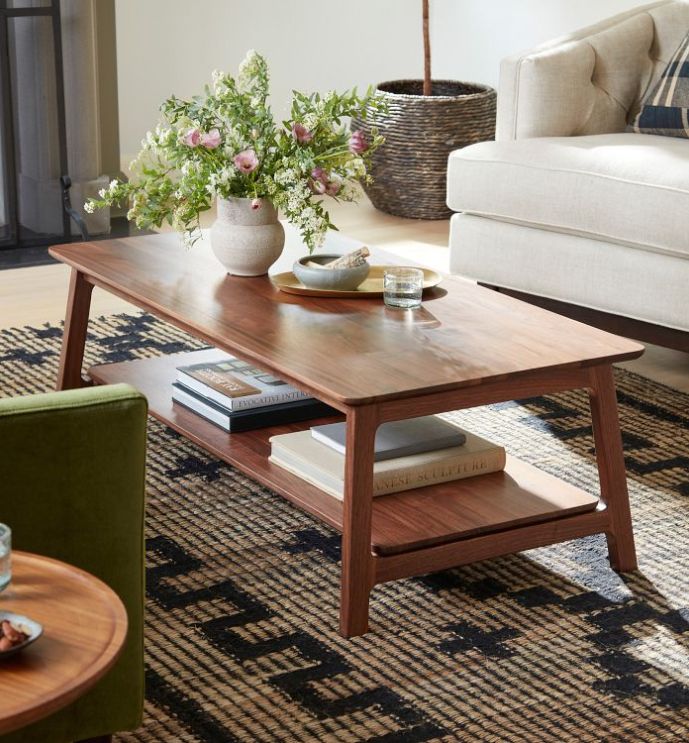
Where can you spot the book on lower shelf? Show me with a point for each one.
(236, 385)
(398, 438)
(234, 421)
(321, 465)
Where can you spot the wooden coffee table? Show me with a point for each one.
(468, 346)
(84, 629)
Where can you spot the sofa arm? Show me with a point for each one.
(72, 487)
(592, 81)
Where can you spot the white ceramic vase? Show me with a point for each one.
(247, 241)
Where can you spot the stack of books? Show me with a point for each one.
(408, 454)
(238, 397)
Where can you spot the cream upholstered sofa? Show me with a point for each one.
(566, 204)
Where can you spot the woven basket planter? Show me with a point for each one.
(409, 170)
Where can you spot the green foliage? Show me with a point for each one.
(225, 143)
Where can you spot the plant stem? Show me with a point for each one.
(426, 50)
(331, 154)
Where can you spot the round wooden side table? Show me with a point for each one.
(84, 629)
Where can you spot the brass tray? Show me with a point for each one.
(371, 287)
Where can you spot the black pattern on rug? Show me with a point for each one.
(547, 645)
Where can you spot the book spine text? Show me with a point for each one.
(259, 401)
(419, 477)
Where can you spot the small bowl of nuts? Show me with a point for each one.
(16, 632)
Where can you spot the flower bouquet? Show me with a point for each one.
(225, 144)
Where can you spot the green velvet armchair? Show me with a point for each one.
(72, 468)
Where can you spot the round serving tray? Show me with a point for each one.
(371, 287)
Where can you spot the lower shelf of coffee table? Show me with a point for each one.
(401, 522)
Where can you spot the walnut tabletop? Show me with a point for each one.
(346, 351)
(84, 629)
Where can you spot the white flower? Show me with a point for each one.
(294, 202)
(349, 191)
(88, 207)
(249, 71)
(102, 193)
(310, 121)
(248, 62)
(355, 168)
(286, 177)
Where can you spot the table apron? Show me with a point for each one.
(531, 384)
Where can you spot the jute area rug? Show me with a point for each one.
(548, 645)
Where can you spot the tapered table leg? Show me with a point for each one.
(357, 560)
(74, 337)
(611, 468)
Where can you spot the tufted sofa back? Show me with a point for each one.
(592, 81)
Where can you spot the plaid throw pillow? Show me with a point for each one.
(665, 110)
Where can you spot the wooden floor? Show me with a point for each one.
(31, 296)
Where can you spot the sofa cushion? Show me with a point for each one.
(639, 284)
(591, 81)
(665, 110)
(624, 187)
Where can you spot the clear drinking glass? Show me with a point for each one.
(402, 287)
(5, 556)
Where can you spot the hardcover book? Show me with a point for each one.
(236, 385)
(322, 466)
(398, 438)
(234, 421)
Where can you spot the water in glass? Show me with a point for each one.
(402, 287)
(5, 556)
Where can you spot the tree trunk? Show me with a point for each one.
(426, 50)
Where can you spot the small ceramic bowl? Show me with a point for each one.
(342, 279)
(33, 629)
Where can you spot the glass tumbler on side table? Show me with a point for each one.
(402, 287)
(5, 556)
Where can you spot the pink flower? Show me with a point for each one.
(246, 161)
(332, 187)
(210, 140)
(255, 204)
(192, 137)
(319, 181)
(357, 142)
(301, 133)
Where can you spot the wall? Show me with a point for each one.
(166, 46)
